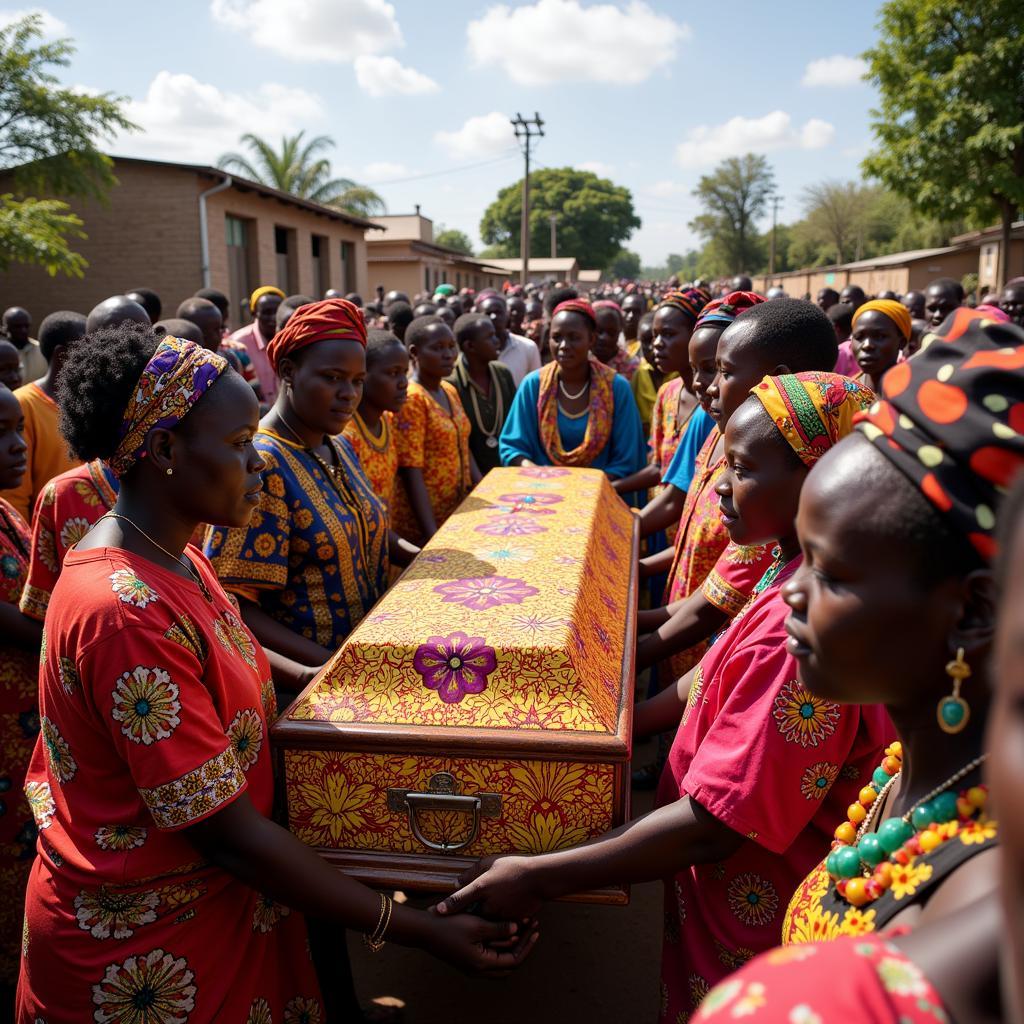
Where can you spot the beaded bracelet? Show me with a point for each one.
(375, 941)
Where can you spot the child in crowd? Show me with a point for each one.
(647, 379)
(431, 421)
(486, 386)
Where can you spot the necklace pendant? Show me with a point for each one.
(491, 442)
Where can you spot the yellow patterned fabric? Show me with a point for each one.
(513, 617)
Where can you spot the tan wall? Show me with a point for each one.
(147, 235)
(396, 275)
(954, 265)
(988, 256)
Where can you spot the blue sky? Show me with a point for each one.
(650, 94)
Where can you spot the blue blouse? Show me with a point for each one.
(680, 469)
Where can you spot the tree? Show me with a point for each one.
(451, 238)
(299, 170)
(836, 212)
(734, 197)
(594, 216)
(625, 264)
(950, 126)
(48, 140)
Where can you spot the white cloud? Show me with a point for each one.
(708, 144)
(383, 170)
(186, 120)
(329, 30)
(560, 40)
(384, 76)
(52, 27)
(666, 189)
(835, 71)
(482, 136)
(602, 170)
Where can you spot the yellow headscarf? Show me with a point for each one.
(267, 289)
(895, 311)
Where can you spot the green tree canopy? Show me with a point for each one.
(950, 125)
(625, 264)
(299, 169)
(734, 197)
(48, 138)
(594, 216)
(452, 238)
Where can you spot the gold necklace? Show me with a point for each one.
(380, 445)
(180, 559)
(331, 472)
(490, 436)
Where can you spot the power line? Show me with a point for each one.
(507, 155)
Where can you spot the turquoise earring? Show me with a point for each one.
(953, 712)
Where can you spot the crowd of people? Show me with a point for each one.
(193, 520)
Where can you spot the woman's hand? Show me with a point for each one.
(504, 887)
(476, 946)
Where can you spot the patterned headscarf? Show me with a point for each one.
(331, 318)
(721, 312)
(895, 311)
(690, 300)
(580, 306)
(812, 410)
(267, 289)
(952, 420)
(993, 313)
(607, 304)
(177, 375)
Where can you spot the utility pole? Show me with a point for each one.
(775, 216)
(526, 129)
(553, 218)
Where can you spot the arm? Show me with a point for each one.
(419, 500)
(474, 471)
(19, 629)
(662, 511)
(294, 660)
(665, 711)
(519, 443)
(642, 480)
(400, 551)
(695, 620)
(652, 847)
(271, 860)
(655, 565)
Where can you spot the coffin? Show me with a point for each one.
(484, 705)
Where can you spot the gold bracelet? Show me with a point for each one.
(375, 941)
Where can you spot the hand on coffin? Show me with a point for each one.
(476, 946)
(497, 887)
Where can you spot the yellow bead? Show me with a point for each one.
(895, 749)
(929, 839)
(867, 796)
(964, 807)
(856, 892)
(977, 796)
(846, 833)
(883, 874)
(856, 813)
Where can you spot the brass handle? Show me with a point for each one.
(441, 796)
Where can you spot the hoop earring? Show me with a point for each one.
(953, 713)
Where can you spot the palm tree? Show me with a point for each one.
(299, 170)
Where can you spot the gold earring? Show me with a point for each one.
(953, 713)
(170, 472)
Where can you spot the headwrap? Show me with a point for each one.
(952, 420)
(895, 311)
(993, 313)
(580, 306)
(690, 300)
(445, 290)
(607, 304)
(331, 318)
(267, 289)
(721, 312)
(812, 410)
(177, 375)
(600, 418)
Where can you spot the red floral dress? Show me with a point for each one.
(377, 455)
(667, 428)
(154, 701)
(777, 765)
(19, 726)
(65, 510)
(866, 980)
(436, 441)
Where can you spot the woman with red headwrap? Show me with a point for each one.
(314, 558)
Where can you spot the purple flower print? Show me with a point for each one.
(510, 526)
(454, 665)
(542, 472)
(529, 498)
(485, 592)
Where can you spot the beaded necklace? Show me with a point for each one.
(861, 864)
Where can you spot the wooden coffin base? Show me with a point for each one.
(433, 874)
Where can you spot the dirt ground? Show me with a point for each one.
(594, 964)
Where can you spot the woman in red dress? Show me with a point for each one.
(162, 891)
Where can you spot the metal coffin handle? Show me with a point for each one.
(441, 796)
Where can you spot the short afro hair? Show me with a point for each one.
(99, 377)
(467, 324)
(417, 331)
(948, 284)
(219, 299)
(179, 327)
(378, 344)
(841, 316)
(557, 297)
(400, 315)
(148, 300)
(647, 320)
(61, 328)
(789, 332)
